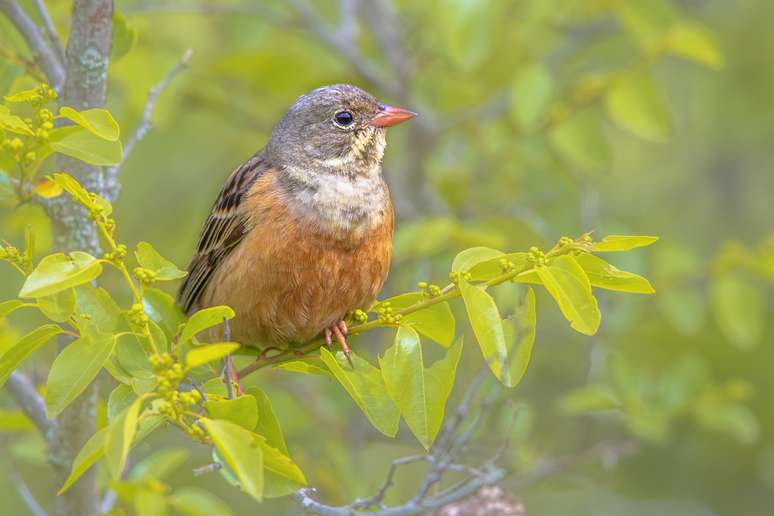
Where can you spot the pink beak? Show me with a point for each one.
(391, 115)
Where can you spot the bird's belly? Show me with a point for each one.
(299, 280)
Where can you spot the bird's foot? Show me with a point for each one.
(231, 378)
(339, 330)
(230, 375)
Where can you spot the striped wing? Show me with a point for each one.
(224, 229)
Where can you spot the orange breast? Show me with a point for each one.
(290, 278)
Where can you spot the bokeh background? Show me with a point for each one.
(538, 119)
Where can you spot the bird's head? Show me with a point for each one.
(337, 129)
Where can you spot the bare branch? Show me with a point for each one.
(48, 24)
(44, 55)
(30, 402)
(338, 41)
(24, 492)
(442, 458)
(207, 468)
(377, 498)
(111, 173)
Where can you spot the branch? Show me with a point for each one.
(111, 173)
(30, 402)
(341, 42)
(48, 24)
(24, 492)
(44, 55)
(442, 456)
(450, 291)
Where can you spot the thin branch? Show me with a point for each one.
(442, 458)
(30, 402)
(107, 502)
(44, 55)
(338, 40)
(207, 468)
(377, 498)
(111, 173)
(24, 492)
(48, 24)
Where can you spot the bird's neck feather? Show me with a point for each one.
(346, 202)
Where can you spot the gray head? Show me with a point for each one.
(336, 129)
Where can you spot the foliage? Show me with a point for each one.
(537, 118)
(152, 367)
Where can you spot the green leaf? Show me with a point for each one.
(207, 353)
(242, 452)
(132, 356)
(162, 309)
(475, 255)
(366, 386)
(487, 326)
(638, 105)
(281, 475)
(569, 286)
(268, 424)
(194, 501)
(120, 398)
(530, 95)
(613, 243)
(581, 139)
(734, 419)
(10, 306)
(94, 448)
(13, 123)
(149, 258)
(604, 275)
(242, 410)
(684, 307)
(489, 269)
(24, 347)
(159, 465)
(306, 366)
(695, 43)
(149, 502)
(91, 452)
(419, 394)
(58, 307)
(520, 332)
(58, 272)
(647, 21)
(81, 144)
(590, 399)
(204, 319)
(80, 194)
(23, 96)
(120, 436)
(75, 368)
(97, 121)
(124, 37)
(435, 321)
(740, 309)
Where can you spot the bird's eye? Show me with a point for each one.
(343, 119)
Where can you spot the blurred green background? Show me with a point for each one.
(538, 119)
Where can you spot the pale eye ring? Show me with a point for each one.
(343, 119)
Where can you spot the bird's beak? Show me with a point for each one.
(391, 115)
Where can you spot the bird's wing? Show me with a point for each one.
(224, 229)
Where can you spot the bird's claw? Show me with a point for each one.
(339, 330)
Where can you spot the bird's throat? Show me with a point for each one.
(344, 205)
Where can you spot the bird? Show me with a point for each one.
(301, 233)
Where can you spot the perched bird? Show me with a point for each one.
(301, 232)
